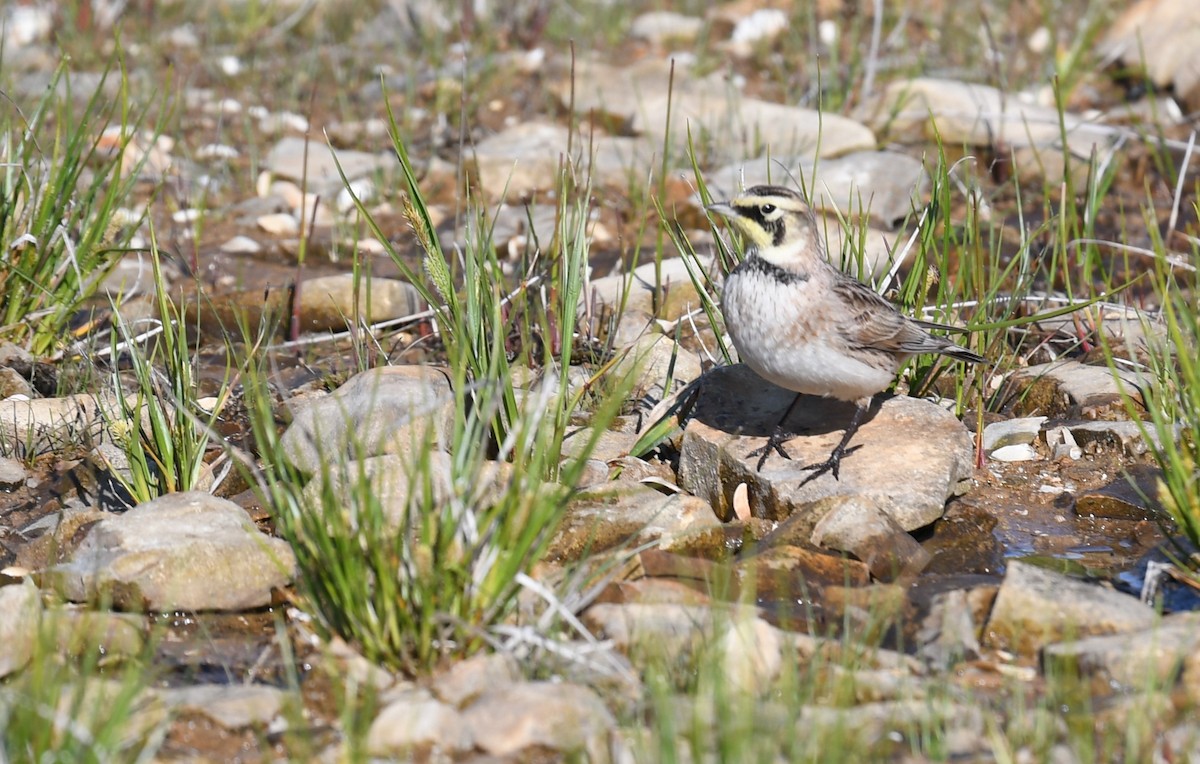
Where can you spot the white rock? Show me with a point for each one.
(279, 224)
(231, 706)
(762, 24)
(241, 245)
(1011, 432)
(230, 66)
(664, 26)
(217, 151)
(1019, 452)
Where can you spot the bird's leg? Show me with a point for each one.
(775, 442)
(831, 464)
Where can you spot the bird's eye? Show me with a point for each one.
(766, 209)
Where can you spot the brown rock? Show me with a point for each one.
(564, 718)
(1036, 607)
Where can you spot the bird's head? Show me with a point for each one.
(772, 219)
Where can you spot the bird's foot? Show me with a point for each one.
(830, 465)
(774, 443)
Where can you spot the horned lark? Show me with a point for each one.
(805, 326)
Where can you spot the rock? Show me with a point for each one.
(909, 478)
(650, 632)
(386, 410)
(1181, 742)
(664, 290)
(1126, 436)
(876, 727)
(762, 25)
(399, 483)
(1121, 501)
(183, 551)
(751, 655)
(609, 446)
(466, 680)
(622, 514)
(12, 473)
(964, 540)
(1159, 36)
(524, 159)
(562, 718)
(859, 526)
(1134, 660)
(1036, 607)
(738, 124)
(230, 706)
(1011, 432)
(13, 385)
(241, 245)
(48, 424)
(20, 617)
(516, 230)
(328, 303)
(663, 27)
(78, 631)
(963, 113)
(26, 24)
(1070, 390)
(352, 666)
(315, 164)
(883, 185)
(637, 98)
(1019, 452)
(658, 365)
(126, 717)
(417, 723)
(792, 572)
(1062, 444)
(948, 634)
(279, 224)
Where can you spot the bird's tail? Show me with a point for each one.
(962, 354)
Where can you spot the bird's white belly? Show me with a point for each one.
(779, 332)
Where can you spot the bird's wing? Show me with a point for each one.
(872, 323)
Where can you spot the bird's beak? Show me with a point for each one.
(724, 209)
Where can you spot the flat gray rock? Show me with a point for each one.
(911, 455)
(183, 551)
(638, 98)
(231, 706)
(1036, 607)
(286, 159)
(1070, 389)
(390, 409)
(1135, 660)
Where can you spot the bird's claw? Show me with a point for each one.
(774, 443)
